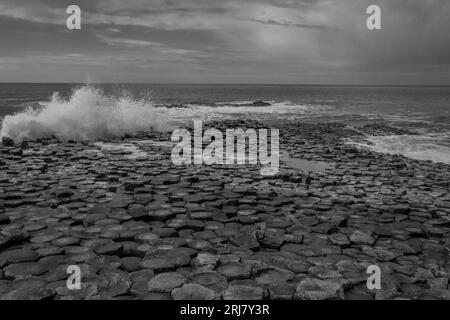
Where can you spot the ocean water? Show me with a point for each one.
(76, 111)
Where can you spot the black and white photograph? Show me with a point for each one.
(214, 151)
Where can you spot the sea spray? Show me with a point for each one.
(87, 115)
(433, 147)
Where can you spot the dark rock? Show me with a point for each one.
(7, 142)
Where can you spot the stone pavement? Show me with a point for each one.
(142, 228)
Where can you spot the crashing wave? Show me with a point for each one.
(87, 115)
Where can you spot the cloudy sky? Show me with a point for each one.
(221, 41)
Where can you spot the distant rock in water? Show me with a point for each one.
(260, 104)
(172, 106)
(257, 103)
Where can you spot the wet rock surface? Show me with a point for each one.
(143, 228)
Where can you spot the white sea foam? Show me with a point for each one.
(280, 108)
(87, 115)
(420, 147)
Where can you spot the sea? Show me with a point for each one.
(97, 111)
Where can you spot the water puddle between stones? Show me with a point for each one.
(132, 150)
(129, 150)
(304, 165)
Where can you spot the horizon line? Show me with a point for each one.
(233, 84)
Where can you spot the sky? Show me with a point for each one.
(226, 41)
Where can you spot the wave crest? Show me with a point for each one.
(87, 115)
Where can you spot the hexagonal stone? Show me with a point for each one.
(205, 235)
(298, 266)
(162, 214)
(274, 276)
(139, 213)
(235, 270)
(7, 238)
(273, 238)
(210, 279)
(114, 284)
(131, 264)
(166, 282)
(19, 255)
(24, 269)
(359, 237)
(28, 282)
(316, 289)
(147, 237)
(193, 291)
(438, 283)
(281, 291)
(246, 212)
(179, 223)
(110, 248)
(243, 292)
(76, 250)
(66, 241)
(201, 245)
(203, 259)
(49, 251)
(358, 292)
(158, 263)
(227, 232)
(39, 293)
(165, 232)
(277, 222)
(200, 215)
(91, 219)
(388, 289)
(380, 253)
(156, 296)
(324, 272)
(97, 209)
(140, 281)
(339, 239)
(245, 240)
(45, 237)
(165, 262)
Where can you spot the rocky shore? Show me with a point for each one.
(141, 228)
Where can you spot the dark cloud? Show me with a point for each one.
(262, 41)
(292, 24)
